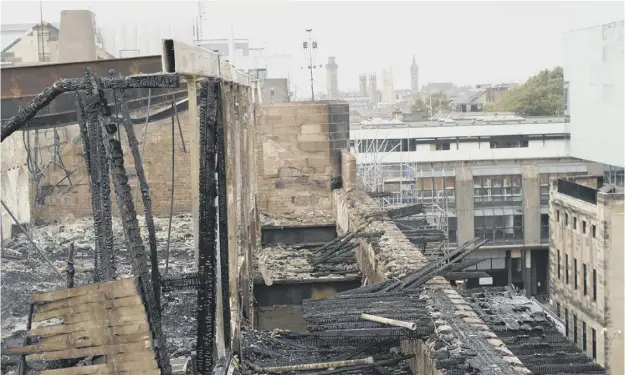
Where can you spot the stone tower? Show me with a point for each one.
(332, 83)
(373, 88)
(363, 85)
(414, 76)
(388, 93)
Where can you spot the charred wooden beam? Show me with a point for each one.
(74, 84)
(185, 281)
(120, 102)
(102, 190)
(222, 202)
(115, 157)
(207, 261)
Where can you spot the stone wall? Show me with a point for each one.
(298, 155)
(64, 201)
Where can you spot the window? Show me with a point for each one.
(583, 226)
(566, 220)
(272, 92)
(566, 322)
(544, 227)
(489, 190)
(559, 266)
(508, 142)
(558, 309)
(566, 268)
(594, 344)
(575, 272)
(594, 285)
(442, 146)
(575, 223)
(594, 231)
(575, 328)
(499, 227)
(558, 216)
(584, 337)
(585, 279)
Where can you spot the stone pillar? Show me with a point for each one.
(464, 204)
(77, 36)
(531, 205)
(348, 170)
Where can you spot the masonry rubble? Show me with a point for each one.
(292, 263)
(19, 259)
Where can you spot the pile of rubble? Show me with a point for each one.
(24, 273)
(295, 263)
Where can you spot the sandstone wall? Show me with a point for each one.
(299, 154)
(64, 201)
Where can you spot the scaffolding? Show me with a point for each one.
(394, 183)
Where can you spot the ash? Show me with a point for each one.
(24, 273)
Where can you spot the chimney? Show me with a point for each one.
(77, 36)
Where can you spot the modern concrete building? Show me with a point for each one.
(76, 38)
(593, 75)
(414, 76)
(275, 90)
(490, 176)
(586, 215)
(332, 80)
(586, 271)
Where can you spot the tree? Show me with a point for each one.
(418, 106)
(438, 101)
(540, 95)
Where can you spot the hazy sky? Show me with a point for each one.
(464, 42)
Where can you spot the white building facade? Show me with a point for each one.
(490, 176)
(593, 75)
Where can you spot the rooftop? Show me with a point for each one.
(451, 121)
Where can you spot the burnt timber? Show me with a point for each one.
(21, 84)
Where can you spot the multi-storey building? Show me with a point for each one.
(586, 278)
(489, 175)
(586, 248)
(593, 75)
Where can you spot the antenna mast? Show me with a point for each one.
(309, 46)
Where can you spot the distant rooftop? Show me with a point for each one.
(452, 120)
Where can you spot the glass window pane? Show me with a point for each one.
(499, 264)
(484, 265)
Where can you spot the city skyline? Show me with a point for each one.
(462, 42)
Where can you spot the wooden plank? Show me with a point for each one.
(80, 342)
(94, 333)
(113, 289)
(131, 357)
(122, 315)
(143, 365)
(78, 301)
(119, 329)
(91, 311)
(102, 304)
(87, 352)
